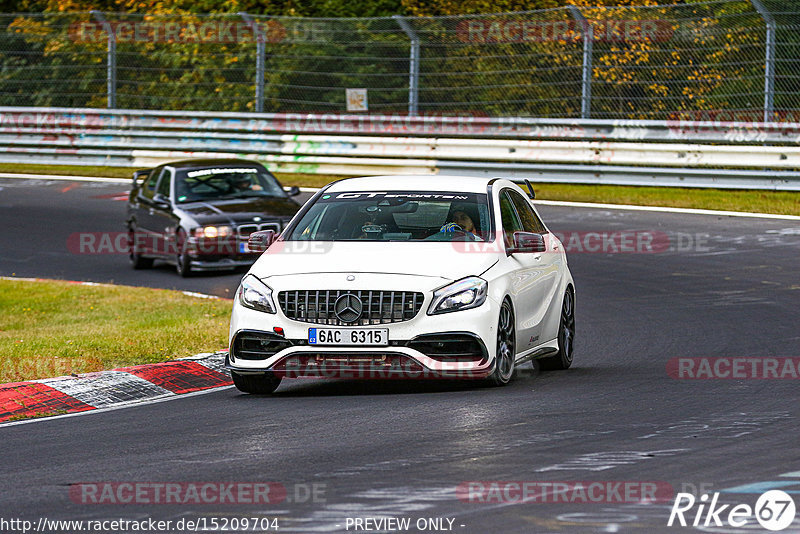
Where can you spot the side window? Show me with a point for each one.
(163, 185)
(510, 220)
(530, 222)
(148, 189)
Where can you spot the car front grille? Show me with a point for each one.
(244, 230)
(377, 307)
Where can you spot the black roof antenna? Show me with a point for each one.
(532, 193)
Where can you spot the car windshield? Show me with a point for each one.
(395, 216)
(215, 183)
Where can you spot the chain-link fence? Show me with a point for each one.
(731, 59)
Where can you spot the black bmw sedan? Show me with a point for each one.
(198, 214)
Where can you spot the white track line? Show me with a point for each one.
(663, 209)
(65, 177)
(193, 294)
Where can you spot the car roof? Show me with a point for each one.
(211, 162)
(413, 182)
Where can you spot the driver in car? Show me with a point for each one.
(244, 183)
(461, 222)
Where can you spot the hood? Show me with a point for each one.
(447, 261)
(239, 210)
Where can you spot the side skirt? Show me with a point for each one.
(548, 348)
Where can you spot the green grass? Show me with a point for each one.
(52, 328)
(69, 170)
(779, 202)
(758, 201)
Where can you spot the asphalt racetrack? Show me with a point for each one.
(721, 287)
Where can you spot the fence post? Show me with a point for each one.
(413, 64)
(769, 68)
(586, 74)
(111, 60)
(261, 52)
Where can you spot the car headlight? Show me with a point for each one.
(463, 294)
(255, 294)
(212, 232)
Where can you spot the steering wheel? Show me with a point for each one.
(452, 227)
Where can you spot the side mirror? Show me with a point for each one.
(161, 202)
(528, 242)
(293, 191)
(140, 176)
(260, 241)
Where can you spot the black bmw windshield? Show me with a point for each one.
(214, 183)
(395, 216)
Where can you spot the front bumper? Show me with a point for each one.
(219, 254)
(221, 264)
(453, 345)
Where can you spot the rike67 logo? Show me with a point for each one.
(774, 510)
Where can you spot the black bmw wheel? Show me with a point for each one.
(566, 337)
(256, 384)
(136, 259)
(183, 263)
(506, 345)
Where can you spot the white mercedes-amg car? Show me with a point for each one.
(404, 276)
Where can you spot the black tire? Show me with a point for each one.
(263, 384)
(136, 259)
(566, 337)
(183, 263)
(505, 354)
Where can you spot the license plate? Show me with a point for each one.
(348, 336)
(243, 248)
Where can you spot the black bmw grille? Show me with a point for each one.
(378, 307)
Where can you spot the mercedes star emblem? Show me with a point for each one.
(348, 308)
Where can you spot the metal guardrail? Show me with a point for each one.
(555, 150)
(55, 120)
